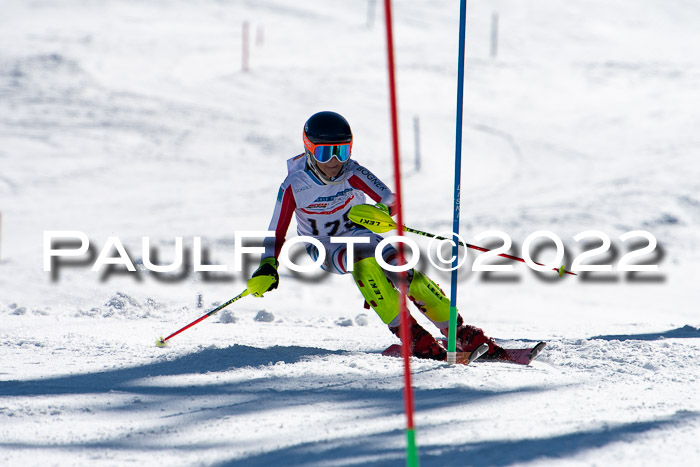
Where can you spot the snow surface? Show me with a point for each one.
(133, 119)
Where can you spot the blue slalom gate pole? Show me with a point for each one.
(452, 334)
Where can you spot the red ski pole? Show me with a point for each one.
(560, 270)
(161, 341)
(379, 221)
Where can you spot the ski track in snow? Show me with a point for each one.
(133, 119)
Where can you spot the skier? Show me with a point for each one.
(322, 185)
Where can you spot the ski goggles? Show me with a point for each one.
(325, 152)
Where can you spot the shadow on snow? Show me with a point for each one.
(685, 332)
(374, 450)
(127, 379)
(380, 395)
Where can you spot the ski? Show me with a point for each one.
(463, 358)
(522, 356)
(519, 356)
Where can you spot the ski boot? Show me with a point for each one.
(471, 337)
(423, 344)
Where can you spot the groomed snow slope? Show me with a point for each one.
(134, 119)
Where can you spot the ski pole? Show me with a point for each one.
(561, 270)
(161, 341)
(379, 221)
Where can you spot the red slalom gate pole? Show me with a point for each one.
(411, 447)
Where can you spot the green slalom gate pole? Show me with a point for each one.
(452, 332)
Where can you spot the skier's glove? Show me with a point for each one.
(383, 207)
(265, 278)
